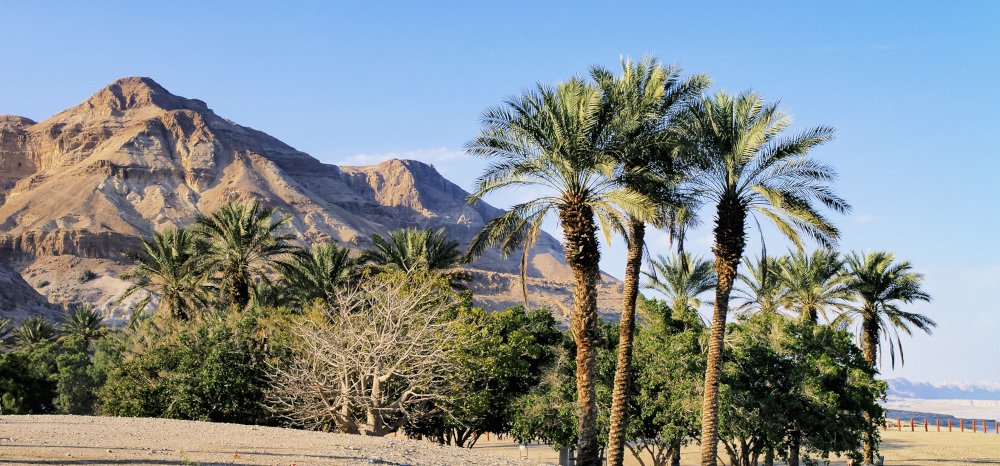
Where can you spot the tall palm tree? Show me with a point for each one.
(750, 169)
(681, 279)
(554, 139)
(84, 322)
(412, 250)
(315, 273)
(243, 246)
(639, 103)
(34, 330)
(880, 285)
(762, 289)
(169, 265)
(814, 283)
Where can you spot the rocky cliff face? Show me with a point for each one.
(132, 159)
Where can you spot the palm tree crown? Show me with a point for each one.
(747, 166)
(880, 284)
(171, 266)
(762, 289)
(554, 139)
(814, 283)
(243, 245)
(84, 322)
(34, 330)
(316, 273)
(414, 250)
(681, 279)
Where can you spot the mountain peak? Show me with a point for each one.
(136, 92)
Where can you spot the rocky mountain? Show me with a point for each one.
(84, 185)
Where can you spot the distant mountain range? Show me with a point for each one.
(905, 388)
(84, 185)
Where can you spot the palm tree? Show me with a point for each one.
(169, 265)
(814, 283)
(749, 169)
(34, 330)
(414, 250)
(880, 285)
(84, 322)
(243, 246)
(554, 139)
(762, 287)
(5, 330)
(639, 103)
(681, 279)
(316, 273)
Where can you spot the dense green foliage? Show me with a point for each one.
(788, 381)
(212, 368)
(500, 356)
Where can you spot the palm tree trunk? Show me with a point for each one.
(623, 369)
(870, 343)
(730, 241)
(583, 256)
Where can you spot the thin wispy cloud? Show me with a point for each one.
(432, 156)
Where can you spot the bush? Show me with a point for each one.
(42, 284)
(27, 382)
(87, 275)
(212, 368)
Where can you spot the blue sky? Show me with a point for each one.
(910, 88)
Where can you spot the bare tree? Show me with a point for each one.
(380, 358)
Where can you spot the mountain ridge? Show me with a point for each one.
(133, 158)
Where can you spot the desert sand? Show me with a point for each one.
(69, 440)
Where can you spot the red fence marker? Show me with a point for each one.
(937, 422)
(949, 425)
(961, 425)
(925, 424)
(899, 424)
(911, 424)
(984, 426)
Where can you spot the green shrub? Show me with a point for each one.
(212, 368)
(43, 284)
(87, 275)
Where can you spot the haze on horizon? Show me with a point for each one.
(909, 88)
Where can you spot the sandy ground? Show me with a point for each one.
(79, 440)
(899, 449)
(76, 440)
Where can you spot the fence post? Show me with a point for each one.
(911, 425)
(974, 426)
(899, 424)
(949, 425)
(937, 422)
(961, 425)
(984, 426)
(925, 425)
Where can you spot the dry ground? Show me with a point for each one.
(76, 440)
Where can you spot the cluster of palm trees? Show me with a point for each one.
(863, 290)
(84, 322)
(646, 147)
(239, 256)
